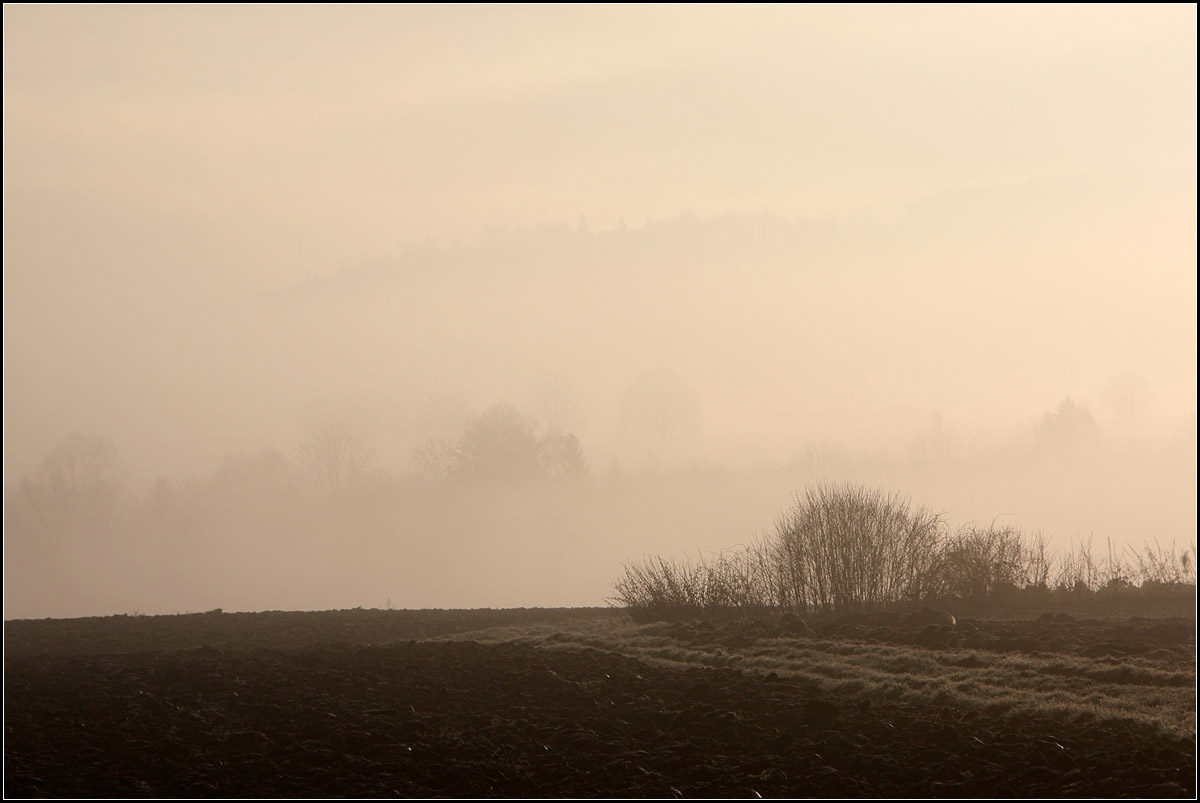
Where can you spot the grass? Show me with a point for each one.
(1061, 686)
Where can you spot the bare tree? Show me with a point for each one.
(80, 465)
(335, 460)
(661, 405)
(436, 458)
(76, 483)
(248, 480)
(1127, 396)
(557, 404)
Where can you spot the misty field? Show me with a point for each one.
(1088, 698)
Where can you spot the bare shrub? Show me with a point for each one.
(1079, 571)
(850, 547)
(838, 547)
(977, 563)
(1164, 567)
(741, 579)
(661, 589)
(656, 589)
(846, 547)
(1038, 562)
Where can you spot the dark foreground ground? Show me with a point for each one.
(356, 704)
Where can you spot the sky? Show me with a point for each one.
(281, 141)
(1008, 196)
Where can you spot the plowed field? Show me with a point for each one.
(584, 703)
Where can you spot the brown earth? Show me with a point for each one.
(358, 704)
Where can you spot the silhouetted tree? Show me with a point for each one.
(1069, 428)
(557, 404)
(254, 479)
(436, 458)
(932, 444)
(659, 404)
(1126, 396)
(81, 465)
(335, 460)
(499, 444)
(562, 456)
(78, 474)
(74, 490)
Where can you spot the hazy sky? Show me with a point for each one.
(260, 143)
(847, 225)
(162, 161)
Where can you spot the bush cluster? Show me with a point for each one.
(851, 548)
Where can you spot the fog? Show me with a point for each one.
(277, 279)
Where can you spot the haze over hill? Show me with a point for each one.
(734, 250)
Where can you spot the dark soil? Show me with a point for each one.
(348, 704)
